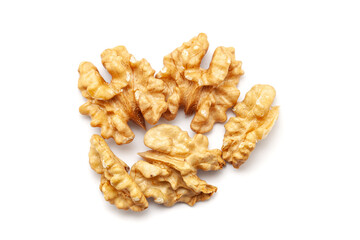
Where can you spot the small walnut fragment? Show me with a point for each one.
(254, 120)
(116, 184)
(207, 92)
(133, 94)
(169, 173)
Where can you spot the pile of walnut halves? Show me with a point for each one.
(168, 173)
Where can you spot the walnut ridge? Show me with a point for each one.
(254, 120)
(116, 184)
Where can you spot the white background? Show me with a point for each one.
(301, 182)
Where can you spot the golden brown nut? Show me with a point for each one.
(169, 173)
(208, 93)
(168, 186)
(254, 120)
(133, 94)
(116, 184)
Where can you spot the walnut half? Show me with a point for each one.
(207, 92)
(116, 184)
(133, 94)
(169, 173)
(254, 120)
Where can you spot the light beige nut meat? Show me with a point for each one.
(169, 173)
(254, 120)
(133, 94)
(207, 92)
(116, 184)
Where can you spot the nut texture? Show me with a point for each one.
(254, 120)
(169, 173)
(116, 184)
(133, 94)
(207, 92)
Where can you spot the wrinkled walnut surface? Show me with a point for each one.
(133, 94)
(116, 184)
(254, 120)
(169, 173)
(207, 92)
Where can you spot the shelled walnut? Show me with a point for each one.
(207, 92)
(254, 120)
(116, 184)
(169, 173)
(133, 94)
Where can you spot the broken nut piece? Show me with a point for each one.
(254, 120)
(169, 173)
(133, 94)
(116, 184)
(207, 92)
(167, 185)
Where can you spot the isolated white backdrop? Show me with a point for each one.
(302, 182)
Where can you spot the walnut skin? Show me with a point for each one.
(116, 184)
(254, 120)
(133, 94)
(169, 173)
(208, 93)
